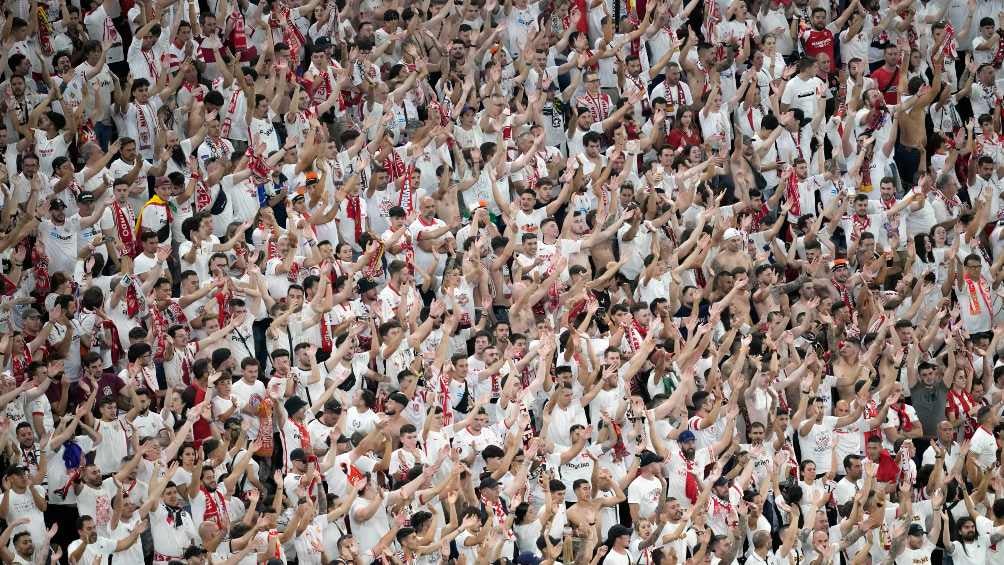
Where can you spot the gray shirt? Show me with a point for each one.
(929, 402)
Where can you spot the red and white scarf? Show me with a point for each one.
(216, 509)
(791, 192)
(124, 221)
(978, 290)
(354, 209)
(143, 128)
(599, 105)
(499, 511)
(227, 124)
(404, 198)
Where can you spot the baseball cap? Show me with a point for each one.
(527, 558)
(648, 457)
(916, 530)
(298, 454)
(732, 233)
(293, 405)
(85, 197)
(57, 203)
(686, 436)
(838, 263)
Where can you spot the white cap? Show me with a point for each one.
(732, 233)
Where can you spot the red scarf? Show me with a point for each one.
(599, 105)
(238, 38)
(394, 165)
(231, 110)
(998, 54)
(498, 509)
(861, 223)
(904, 418)
(843, 291)
(145, 132)
(40, 265)
(791, 191)
(124, 227)
(354, 209)
(444, 397)
(404, 198)
(264, 423)
(326, 342)
(632, 335)
(203, 196)
(757, 217)
(291, 35)
(977, 290)
(216, 509)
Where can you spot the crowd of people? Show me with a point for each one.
(466, 282)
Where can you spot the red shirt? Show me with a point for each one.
(886, 81)
(816, 41)
(678, 138)
(192, 396)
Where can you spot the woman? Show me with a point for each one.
(685, 132)
(458, 292)
(812, 486)
(186, 462)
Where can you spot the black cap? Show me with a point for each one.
(916, 530)
(298, 455)
(648, 457)
(56, 203)
(332, 406)
(19, 470)
(322, 43)
(294, 404)
(85, 197)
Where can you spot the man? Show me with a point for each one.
(645, 491)
(920, 545)
(60, 235)
(818, 432)
(944, 450)
(432, 238)
(92, 548)
(588, 508)
(210, 501)
(887, 76)
(983, 445)
(802, 89)
(24, 499)
(977, 299)
(852, 482)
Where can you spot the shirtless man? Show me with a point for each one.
(769, 292)
(732, 255)
(578, 240)
(586, 512)
(912, 131)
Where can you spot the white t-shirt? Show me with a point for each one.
(97, 503)
(801, 94)
(645, 493)
(818, 443)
